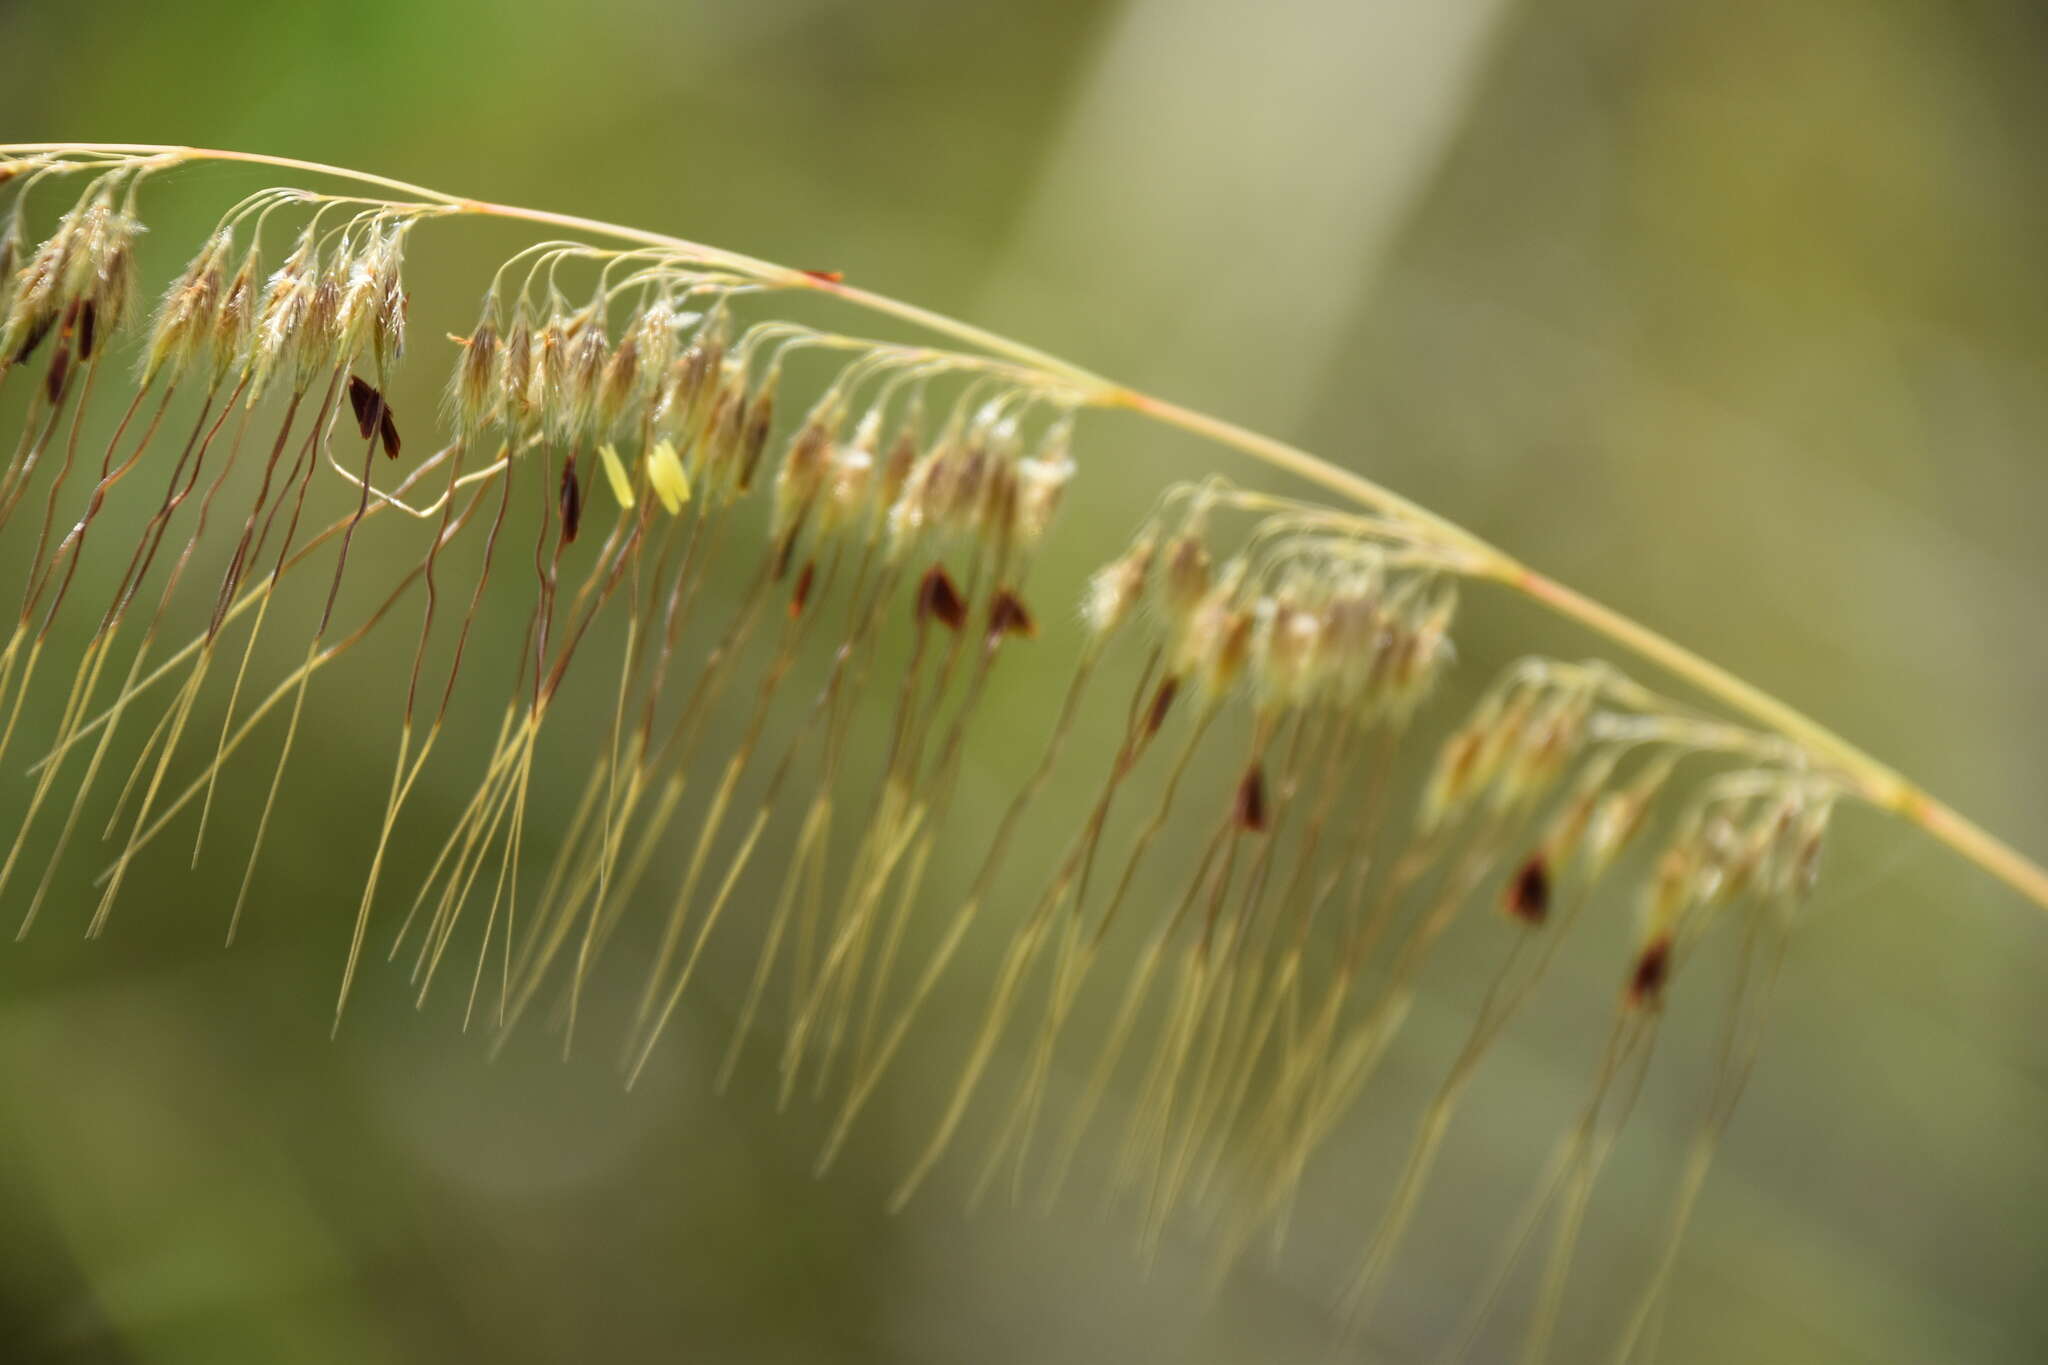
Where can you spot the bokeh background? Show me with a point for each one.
(1731, 314)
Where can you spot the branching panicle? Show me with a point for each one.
(1285, 656)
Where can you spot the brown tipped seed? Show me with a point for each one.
(1115, 588)
(937, 597)
(760, 421)
(237, 321)
(516, 378)
(1007, 615)
(802, 475)
(1230, 647)
(1186, 578)
(476, 374)
(801, 594)
(1528, 897)
(1041, 482)
(1162, 702)
(1652, 970)
(368, 405)
(902, 458)
(571, 499)
(621, 381)
(1251, 799)
(588, 355)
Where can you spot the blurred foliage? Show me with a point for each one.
(1731, 314)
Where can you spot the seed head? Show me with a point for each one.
(620, 387)
(186, 321)
(516, 377)
(849, 475)
(1116, 589)
(284, 316)
(58, 277)
(754, 436)
(1041, 483)
(803, 473)
(477, 385)
(1184, 578)
(585, 354)
(897, 468)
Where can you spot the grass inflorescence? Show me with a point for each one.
(624, 405)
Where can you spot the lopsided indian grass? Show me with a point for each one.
(630, 402)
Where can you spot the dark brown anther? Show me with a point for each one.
(88, 328)
(1528, 897)
(1646, 983)
(367, 403)
(571, 500)
(1251, 799)
(387, 432)
(937, 597)
(1008, 616)
(36, 332)
(60, 368)
(801, 594)
(1162, 702)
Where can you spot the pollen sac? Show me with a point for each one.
(938, 599)
(570, 500)
(368, 405)
(1250, 808)
(1007, 616)
(615, 474)
(1161, 704)
(666, 477)
(1528, 896)
(1647, 978)
(800, 595)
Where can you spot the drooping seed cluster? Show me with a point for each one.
(1285, 654)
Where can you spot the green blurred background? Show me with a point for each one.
(1731, 314)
